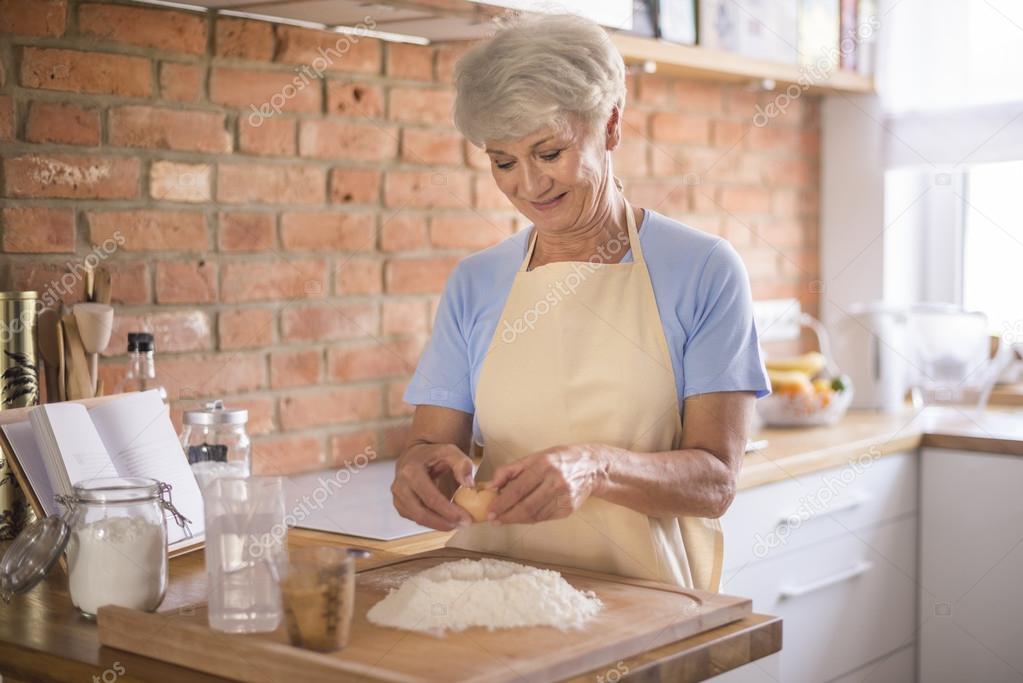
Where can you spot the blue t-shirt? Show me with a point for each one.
(702, 293)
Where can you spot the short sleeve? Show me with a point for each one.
(721, 350)
(442, 377)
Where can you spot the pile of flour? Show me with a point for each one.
(491, 593)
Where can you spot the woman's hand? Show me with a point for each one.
(416, 487)
(550, 484)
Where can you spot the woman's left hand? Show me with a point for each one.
(550, 484)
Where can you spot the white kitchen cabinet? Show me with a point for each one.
(764, 670)
(898, 667)
(971, 549)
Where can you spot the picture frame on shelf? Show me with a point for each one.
(761, 29)
(819, 35)
(676, 21)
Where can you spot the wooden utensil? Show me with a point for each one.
(49, 349)
(61, 362)
(90, 281)
(95, 324)
(78, 383)
(101, 288)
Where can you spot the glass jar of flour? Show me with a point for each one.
(117, 552)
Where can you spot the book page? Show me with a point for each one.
(140, 437)
(30, 458)
(65, 434)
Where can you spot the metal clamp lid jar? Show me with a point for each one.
(215, 441)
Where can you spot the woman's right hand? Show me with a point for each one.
(417, 495)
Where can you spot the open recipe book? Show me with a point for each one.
(62, 444)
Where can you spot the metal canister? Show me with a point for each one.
(19, 387)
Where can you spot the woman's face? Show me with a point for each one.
(553, 177)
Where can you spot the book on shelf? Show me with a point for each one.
(57, 445)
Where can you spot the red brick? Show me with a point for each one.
(634, 123)
(745, 199)
(271, 184)
(63, 282)
(421, 105)
(71, 176)
(154, 128)
(212, 376)
(396, 406)
(359, 276)
(394, 440)
(345, 448)
(729, 134)
(331, 230)
(410, 62)
(150, 230)
(7, 124)
(668, 197)
(404, 232)
(295, 368)
(372, 361)
(173, 181)
(86, 72)
(329, 322)
(271, 137)
(261, 414)
(335, 139)
(354, 99)
(475, 157)
(288, 455)
(327, 50)
(35, 230)
(246, 231)
(245, 328)
(181, 82)
(325, 408)
(261, 93)
(774, 137)
(630, 159)
(418, 276)
(3, 71)
(487, 195)
(186, 282)
(680, 128)
(789, 172)
(426, 189)
(129, 282)
(62, 123)
(272, 280)
(681, 94)
(431, 147)
(173, 332)
(404, 316)
(448, 55)
(38, 18)
(467, 231)
(354, 186)
(244, 39)
(145, 27)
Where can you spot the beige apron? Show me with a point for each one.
(579, 356)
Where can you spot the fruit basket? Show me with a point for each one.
(806, 390)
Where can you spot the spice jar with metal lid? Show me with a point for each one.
(115, 536)
(216, 443)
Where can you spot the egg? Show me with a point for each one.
(475, 501)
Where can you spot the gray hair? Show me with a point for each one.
(537, 72)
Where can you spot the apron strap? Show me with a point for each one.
(634, 245)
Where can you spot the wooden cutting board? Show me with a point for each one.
(637, 616)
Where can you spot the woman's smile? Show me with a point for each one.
(550, 203)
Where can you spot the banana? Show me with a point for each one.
(809, 363)
(789, 380)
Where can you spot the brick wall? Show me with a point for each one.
(292, 264)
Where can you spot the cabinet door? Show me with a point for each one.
(898, 667)
(843, 602)
(971, 555)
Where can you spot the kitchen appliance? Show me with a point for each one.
(871, 346)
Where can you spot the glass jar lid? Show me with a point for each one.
(116, 490)
(32, 555)
(214, 413)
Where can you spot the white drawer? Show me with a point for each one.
(898, 667)
(764, 670)
(768, 520)
(843, 602)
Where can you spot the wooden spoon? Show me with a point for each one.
(47, 337)
(101, 288)
(79, 385)
(61, 362)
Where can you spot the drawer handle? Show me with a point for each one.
(861, 567)
(854, 501)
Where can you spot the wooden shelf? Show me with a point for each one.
(717, 65)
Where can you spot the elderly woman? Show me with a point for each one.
(605, 358)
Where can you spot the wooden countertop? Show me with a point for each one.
(1007, 395)
(42, 637)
